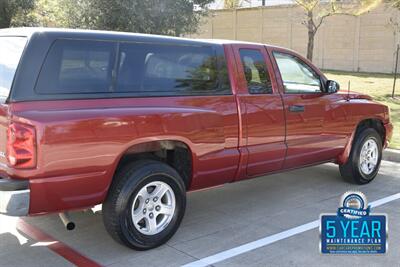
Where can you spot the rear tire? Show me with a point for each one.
(145, 204)
(365, 158)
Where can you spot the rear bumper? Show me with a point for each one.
(14, 197)
(389, 133)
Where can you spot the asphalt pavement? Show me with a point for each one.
(219, 223)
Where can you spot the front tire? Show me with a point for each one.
(365, 158)
(145, 204)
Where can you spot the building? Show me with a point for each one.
(219, 4)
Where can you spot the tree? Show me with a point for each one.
(316, 11)
(394, 3)
(232, 4)
(168, 17)
(46, 13)
(10, 9)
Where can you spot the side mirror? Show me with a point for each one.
(332, 87)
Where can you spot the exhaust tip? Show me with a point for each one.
(69, 225)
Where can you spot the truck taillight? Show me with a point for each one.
(21, 145)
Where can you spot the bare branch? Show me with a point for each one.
(322, 20)
(309, 6)
(300, 3)
(315, 4)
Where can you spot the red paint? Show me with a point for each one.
(263, 121)
(233, 137)
(56, 246)
(389, 133)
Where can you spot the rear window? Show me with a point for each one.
(138, 69)
(158, 69)
(255, 71)
(11, 49)
(73, 67)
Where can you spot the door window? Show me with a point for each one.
(255, 72)
(297, 76)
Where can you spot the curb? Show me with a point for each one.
(391, 155)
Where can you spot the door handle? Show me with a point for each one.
(296, 108)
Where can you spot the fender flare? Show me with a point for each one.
(344, 156)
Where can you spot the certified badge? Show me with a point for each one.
(354, 205)
(353, 230)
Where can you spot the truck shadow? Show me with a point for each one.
(15, 253)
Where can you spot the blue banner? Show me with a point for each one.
(365, 235)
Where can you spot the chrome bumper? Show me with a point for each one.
(14, 197)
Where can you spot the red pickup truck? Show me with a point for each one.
(135, 121)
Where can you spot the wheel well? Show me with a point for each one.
(175, 153)
(374, 124)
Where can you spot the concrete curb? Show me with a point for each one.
(391, 155)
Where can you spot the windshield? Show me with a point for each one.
(11, 49)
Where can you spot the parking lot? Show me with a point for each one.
(220, 227)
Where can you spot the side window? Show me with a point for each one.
(158, 69)
(255, 71)
(77, 66)
(297, 76)
(141, 69)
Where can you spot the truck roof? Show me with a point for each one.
(65, 33)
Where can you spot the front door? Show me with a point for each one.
(305, 108)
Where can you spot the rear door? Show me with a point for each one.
(264, 121)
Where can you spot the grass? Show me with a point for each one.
(380, 87)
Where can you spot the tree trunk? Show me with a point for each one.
(311, 35)
(310, 46)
